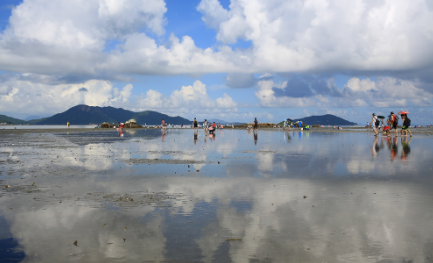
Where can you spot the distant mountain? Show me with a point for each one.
(217, 121)
(83, 114)
(10, 120)
(34, 121)
(222, 122)
(327, 119)
(33, 117)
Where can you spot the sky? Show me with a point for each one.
(230, 59)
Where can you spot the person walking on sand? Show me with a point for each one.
(375, 124)
(406, 125)
(393, 123)
(256, 124)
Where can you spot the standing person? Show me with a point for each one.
(67, 124)
(256, 124)
(205, 124)
(214, 126)
(163, 124)
(195, 122)
(375, 124)
(394, 123)
(406, 125)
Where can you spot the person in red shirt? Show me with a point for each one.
(394, 123)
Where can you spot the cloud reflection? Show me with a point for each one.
(297, 202)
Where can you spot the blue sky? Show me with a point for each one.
(232, 60)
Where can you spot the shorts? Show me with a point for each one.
(195, 125)
(404, 128)
(394, 127)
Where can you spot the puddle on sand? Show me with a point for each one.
(234, 197)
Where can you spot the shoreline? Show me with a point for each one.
(417, 131)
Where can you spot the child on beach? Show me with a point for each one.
(163, 124)
(205, 125)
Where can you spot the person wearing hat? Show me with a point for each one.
(375, 124)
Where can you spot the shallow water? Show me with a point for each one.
(44, 127)
(177, 196)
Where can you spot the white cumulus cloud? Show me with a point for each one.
(187, 97)
(24, 97)
(286, 36)
(384, 92)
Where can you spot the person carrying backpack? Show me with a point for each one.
(393, 123)
(406, 125)
(375, 124)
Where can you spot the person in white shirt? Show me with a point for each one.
(375, 123)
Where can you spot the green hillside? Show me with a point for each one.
(10, 120)
(83, 115)
(327, 119)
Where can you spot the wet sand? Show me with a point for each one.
(273, 196)
(420, 131)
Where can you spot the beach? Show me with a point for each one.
(324, 195)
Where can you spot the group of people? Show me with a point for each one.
(391, 123)
(207, 126)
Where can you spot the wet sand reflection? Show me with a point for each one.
(286, 197)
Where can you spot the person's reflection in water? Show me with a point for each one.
(375, 148)
(405, 144)
(255, 137)
(287, 136)
(195, 135)
(121, 133)
(394, 148)
(163, 134)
